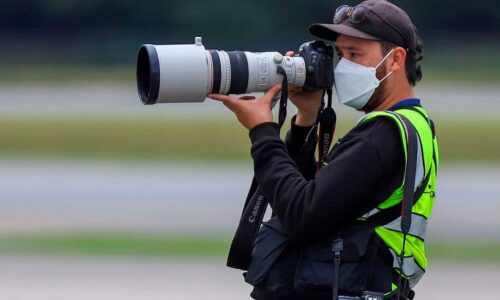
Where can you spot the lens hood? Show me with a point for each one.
(148, 74)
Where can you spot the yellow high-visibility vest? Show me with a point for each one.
(414, 261)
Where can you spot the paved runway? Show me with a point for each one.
(44, 195)
(75, 278)
(91, 100)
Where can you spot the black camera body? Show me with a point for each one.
(318, 57)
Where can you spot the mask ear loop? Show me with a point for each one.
(385, 76)
(380, 63)
(385, 57)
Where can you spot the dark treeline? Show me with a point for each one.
(109, 31)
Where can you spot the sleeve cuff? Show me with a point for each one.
(264, 130)
(298, 133)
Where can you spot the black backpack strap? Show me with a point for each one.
(410, 174)
(431, 125)
(408, 189)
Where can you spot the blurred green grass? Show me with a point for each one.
(198, 140)
(465, 63)
(194, 245)
(444, 61)
(58, 74)
(116, 244)
(143, 140)
(435, 71)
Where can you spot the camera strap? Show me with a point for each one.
(337, 248)
(240, 252)
(283, 97)
(327, 120)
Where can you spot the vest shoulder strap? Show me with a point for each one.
(424, 115)
(410, 143)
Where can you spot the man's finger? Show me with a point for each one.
(228, 101)
(219, 97)
(272, 93)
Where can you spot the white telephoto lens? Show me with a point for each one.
(188, 73)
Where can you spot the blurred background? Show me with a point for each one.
(104, 198)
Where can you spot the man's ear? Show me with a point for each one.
(398, 59)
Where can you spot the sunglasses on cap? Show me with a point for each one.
(357, 15)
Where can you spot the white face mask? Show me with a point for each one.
(355, 83)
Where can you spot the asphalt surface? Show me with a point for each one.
(112, 100)
(75, 278)
(46, 195)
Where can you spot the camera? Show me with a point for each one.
(188, 73)
(365, 296)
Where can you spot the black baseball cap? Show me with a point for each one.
(374, 20)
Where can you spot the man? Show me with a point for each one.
(356, 196)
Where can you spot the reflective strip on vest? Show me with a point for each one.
(411, 270)
(418, 226)
(371, 213)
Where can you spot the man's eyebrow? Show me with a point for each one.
(349, 48)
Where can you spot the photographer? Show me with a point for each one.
(353, 203)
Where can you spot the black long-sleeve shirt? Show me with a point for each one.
(363, 170)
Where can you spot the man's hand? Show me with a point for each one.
(250, 111)
(307, 102)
